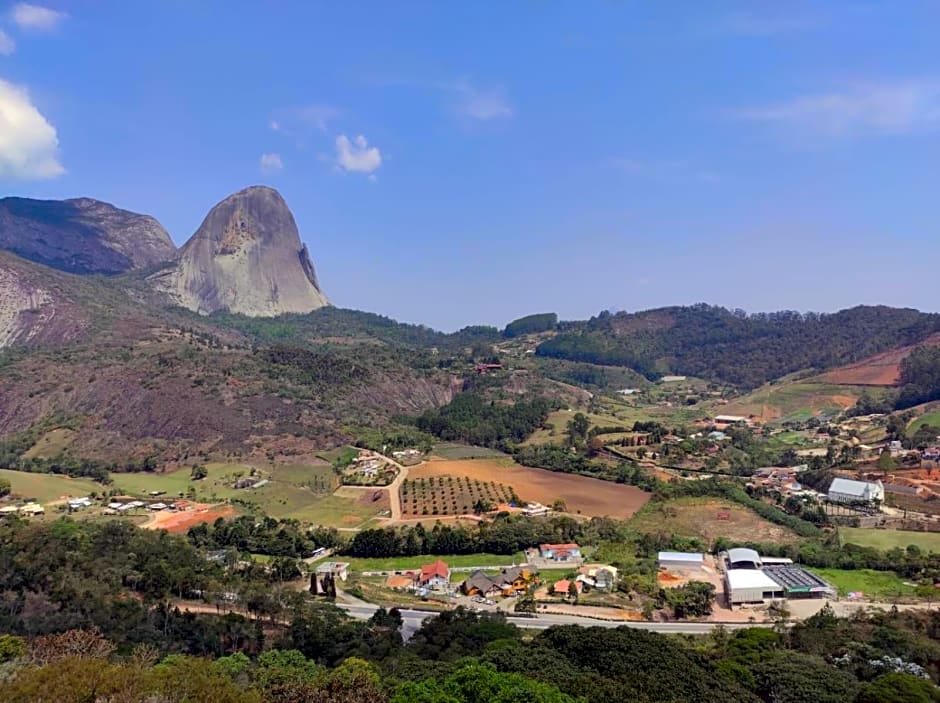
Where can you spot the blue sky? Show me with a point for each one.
(458, 163)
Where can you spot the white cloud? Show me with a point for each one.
(271, 163)
(36, 17)
(28, 143)
(481, 105)
(875, 108)
(356, 155)
(7, 45)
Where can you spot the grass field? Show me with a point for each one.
(51, 444)
(888, 539)
(299, 491)
(797, 400)
(45, 488)
(463, 451)
(453, 561)
(876, 585)
(930, 418)
(699, 517)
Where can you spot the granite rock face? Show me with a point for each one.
(82, 235)
(245, 258)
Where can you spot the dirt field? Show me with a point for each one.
(699, 517)
(879, 370)
(587, 496)
(793, 400)
(182, 521)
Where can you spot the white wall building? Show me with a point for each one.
(751, 586)
(845, 490)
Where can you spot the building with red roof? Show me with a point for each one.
(435, 576)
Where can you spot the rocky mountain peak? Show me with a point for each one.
(246, 257)
(82, 235)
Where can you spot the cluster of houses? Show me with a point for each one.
(29, 509)
(603, 577)
(117, 507)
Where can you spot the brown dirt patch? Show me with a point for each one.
(879, 370)
(588, 496)
(698, 517)
(182, 521)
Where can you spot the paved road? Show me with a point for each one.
(412, 620)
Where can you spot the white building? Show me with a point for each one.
(751, 586)
(730, 419)
(845, 490)
(535, 510)
(681, 561)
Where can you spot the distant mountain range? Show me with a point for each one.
(145, 350)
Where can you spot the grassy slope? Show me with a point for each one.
(286, 496)
(888, 539)
(48, 487)
(880, 585)
(795, 400)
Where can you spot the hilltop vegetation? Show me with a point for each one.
(734, 347)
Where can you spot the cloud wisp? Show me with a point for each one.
(478, 104)
(29, 144)
(271, 163)
(893, 108)
(7, 45)
(356, 156)
(37, 17)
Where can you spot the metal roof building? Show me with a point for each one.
(743, 558)
(751, 586)
(845, 490)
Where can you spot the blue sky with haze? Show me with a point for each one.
(456, 163)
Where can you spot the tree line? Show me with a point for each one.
(474, 419)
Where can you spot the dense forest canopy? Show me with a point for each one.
(920, 377)
(733, 346)
(531, 324)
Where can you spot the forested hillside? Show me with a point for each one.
(90, 615)
(735, 347)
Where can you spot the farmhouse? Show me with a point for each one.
(603, 577)
(535, 510)
(509, 581)
(681, 562)
(32, 509)
(751, 586)
(79, 503)
(561, 588)
(730, 419)
(845, 490)
(336, 569)
(435, 575)
(8, 510)
(560, 552)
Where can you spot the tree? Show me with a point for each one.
(577, 429)
(525, 604)
(198, 472)
(899, 688)
(4, 487)
(886, 462)
(800, 678)
(573, 590)
(560, 506)
(480, 683)
(692, 600)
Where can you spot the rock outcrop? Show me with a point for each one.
(246, 258)
(82, 235)
(33, 310)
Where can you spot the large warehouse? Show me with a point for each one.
(743, 558)
(751, 586)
